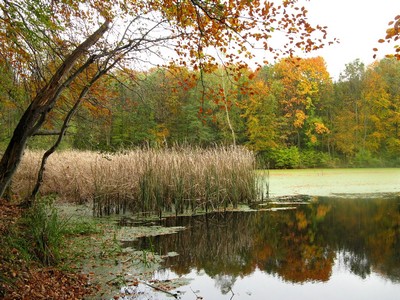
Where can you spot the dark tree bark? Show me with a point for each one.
(35, 115)
(64, 127)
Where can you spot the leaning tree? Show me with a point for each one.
(49, 47)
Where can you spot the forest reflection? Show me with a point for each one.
(298, 245)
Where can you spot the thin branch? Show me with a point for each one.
(71, 113)
(46, 132)
(160, 289)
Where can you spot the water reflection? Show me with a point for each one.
(303, 245)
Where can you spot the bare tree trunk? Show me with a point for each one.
(53, 148)
(13, 154)
(228, 119)
(64, 127)
(41, 105)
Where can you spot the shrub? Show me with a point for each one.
(286, 158)
(315, 159)
(364, 158)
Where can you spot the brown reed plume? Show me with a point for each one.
(145, 180)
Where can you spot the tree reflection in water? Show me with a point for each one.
(297, 245)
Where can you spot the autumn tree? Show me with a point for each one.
(389, 70)
(132, 108)
(365, 112)
(348, 102)
(381, 94)
(261, 115)
(392, 35)
(51, 44)
(305, 83)
(11, 100)
(221, 92)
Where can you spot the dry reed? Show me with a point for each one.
(145, 180)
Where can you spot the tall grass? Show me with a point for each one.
(44, 232)
(37, 236)
(149, 180)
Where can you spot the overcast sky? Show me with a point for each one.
(358, 24)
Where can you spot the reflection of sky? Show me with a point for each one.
(259, 285)
(352, 275)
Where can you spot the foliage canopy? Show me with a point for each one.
(50, 51)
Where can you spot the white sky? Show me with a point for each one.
(358, 24)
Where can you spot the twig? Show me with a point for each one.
(197, 296)
(160, 289)
(233, 294)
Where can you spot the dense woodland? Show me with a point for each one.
(291, 113)
(74, 74)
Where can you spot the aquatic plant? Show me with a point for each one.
(146, 180)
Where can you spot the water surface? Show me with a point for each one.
(331, 248)
(325, 182)
(344, 243)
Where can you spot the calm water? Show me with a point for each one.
(344, 247)
(326, 182)
(330, 249)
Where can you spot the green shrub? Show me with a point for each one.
(315, 159)
(364, 158)
(286, 158)
(264, 160)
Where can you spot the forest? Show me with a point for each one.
(165, 133)
(291, 113)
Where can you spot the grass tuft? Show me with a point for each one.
(44, 232)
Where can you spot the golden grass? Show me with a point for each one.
(144, 180)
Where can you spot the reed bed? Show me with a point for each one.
(150, 180)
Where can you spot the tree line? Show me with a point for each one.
(291, 113)
(57, 53)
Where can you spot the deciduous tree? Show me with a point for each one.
(47, 43)
(261, 117)
(305, 83)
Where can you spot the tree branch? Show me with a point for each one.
(46, 133)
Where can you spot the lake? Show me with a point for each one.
(343, 243)
(324, 182)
